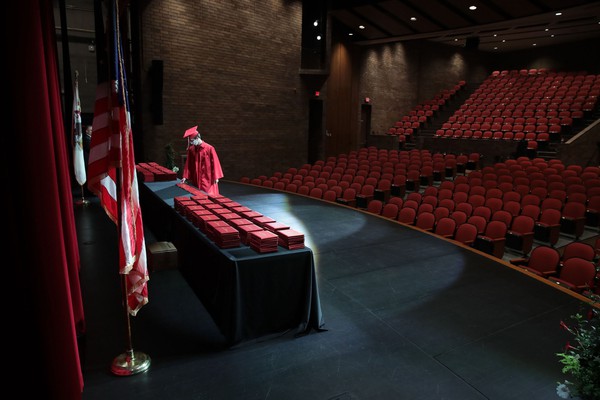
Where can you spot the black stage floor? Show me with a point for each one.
(407, 315)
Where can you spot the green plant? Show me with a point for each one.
(170, 155)
(581, 357)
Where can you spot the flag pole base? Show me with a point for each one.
(82, 202)
(130, 363)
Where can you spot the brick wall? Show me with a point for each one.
(401, 75)
(232, 68)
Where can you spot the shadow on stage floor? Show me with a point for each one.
(408, 316)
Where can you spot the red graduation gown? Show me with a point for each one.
(203, 168)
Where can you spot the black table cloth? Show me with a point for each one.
(248, 294)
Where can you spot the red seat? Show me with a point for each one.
(398, 187)
(348, 197)
(302, 189)
(466, 234)
(413, 180)
(547, 228)
(502, 216)
(476, 200)
(330, 195)
(445, 227)
(592, 212)
(465, 207)
(399, 201)
(531, 210)
(425, 221)
(576, 274)
(316, 192)
(375, 207)
(521, 234)
(513, 207)
(460, 217)
(424, 207)
(441, 212)
(530, 199)
(447, 203)
(543, 261)
(482, 211)
(572, 221)
(407, 216)
(383, 190)
(365, 196)
(578, 250)
(493, 239)
(494, 204)
(390, 210)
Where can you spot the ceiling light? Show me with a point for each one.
(546, 29)
(558, 14)
(472, 8)
(316, 23)
(361, 27)
(535, 44)
(350, 34)
(495, 34)
(552, 35)
(413, 18)
(318, 37)
(496, 48)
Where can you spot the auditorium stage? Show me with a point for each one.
(408, 315)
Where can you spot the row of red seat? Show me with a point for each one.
(420, 115)
(516, 105)
(541, 137)
(526, 103)
(575, 268)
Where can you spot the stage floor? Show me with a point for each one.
(408, 316)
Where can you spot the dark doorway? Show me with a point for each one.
(315, 130)
(365, 122)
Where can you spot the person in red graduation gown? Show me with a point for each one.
(202, 167)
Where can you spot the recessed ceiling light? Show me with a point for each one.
(316, 23)
(350, 34)
(361, 27)
(503, 40)
(455, 39)
(413, 18)
(495, 34)
(552, 35)
(546, 29)
(496, 48)
(535, 44)
(318, 37)
(558, 14)
(472, 8)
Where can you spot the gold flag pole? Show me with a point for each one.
(130, 362)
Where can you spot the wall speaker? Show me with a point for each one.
(472, 43)
(156, 89)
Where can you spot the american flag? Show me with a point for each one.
(111, 169)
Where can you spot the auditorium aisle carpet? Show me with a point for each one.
(407, 315)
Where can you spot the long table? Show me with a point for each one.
(248, 294)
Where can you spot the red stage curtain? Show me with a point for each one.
(47, 304)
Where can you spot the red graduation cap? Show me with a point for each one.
(193, 131)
